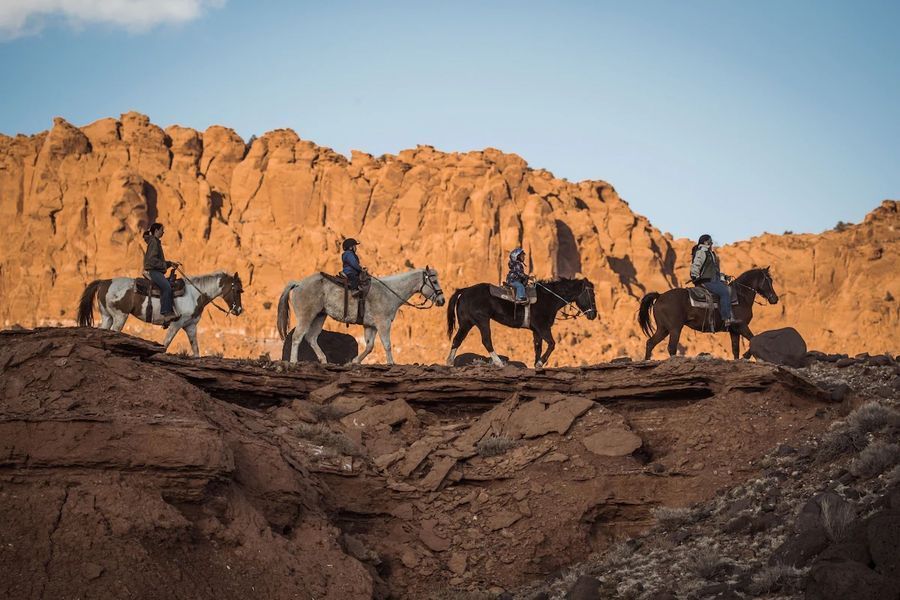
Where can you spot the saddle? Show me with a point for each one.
(508, 293)
(146, 287)
(703, 298)
(365, 282)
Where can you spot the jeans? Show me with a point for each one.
(721, 290)
(165, 289)
(520, 290)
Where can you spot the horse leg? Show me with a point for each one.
(538, 346)
(300, 330)
(744, 330)
(485, 328)
(461, 333)
(118, 321)
(369, 333)
(384, 332)
(174, 328)
(551, 345)
(673, 341)
(312, 336)
(655, 339)
(191, 330)
(735, 343)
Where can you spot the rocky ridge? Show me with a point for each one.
(124, 471)
(74, 200)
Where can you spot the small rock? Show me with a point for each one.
(585, 588)
(457, 562)
(845, 362)
(613, 442)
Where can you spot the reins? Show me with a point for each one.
(565, 316)
(424, 304)
(194, 285)
(747, 287)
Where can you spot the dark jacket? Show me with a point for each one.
(351, 264)
(705, 265)
(516, 272)
(154, 258)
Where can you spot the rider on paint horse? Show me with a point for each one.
(517, 278)
(155, 265)
(705, 273)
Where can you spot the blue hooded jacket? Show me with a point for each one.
(352, 268)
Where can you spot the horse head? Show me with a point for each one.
(760, 281)
(431, 287)
(586, 302)
(232, 288)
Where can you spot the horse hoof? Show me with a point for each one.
(538, 365)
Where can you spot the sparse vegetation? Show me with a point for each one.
(495, 446)
(875, 459)
(327, 412)
(707, 562)
(671, 519)
(775, 578)
(837, 516)
(852, 434)
(321, 435)
(842, 226)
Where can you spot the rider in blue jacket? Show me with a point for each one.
(517, 278)
(351, 269)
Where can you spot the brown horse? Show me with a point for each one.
(672, 310)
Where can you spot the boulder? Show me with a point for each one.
(847, 580)
(585, 588)
(339, 348)
(613, 442)
(780, 346)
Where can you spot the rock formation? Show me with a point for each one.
(74, 200)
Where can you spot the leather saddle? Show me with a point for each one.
(146, 287)
(508, 293)
(703, 298)
(360, 294)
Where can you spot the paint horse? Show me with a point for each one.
(119, 298)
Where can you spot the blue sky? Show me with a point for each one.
(707, 116)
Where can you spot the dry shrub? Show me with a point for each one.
(875, 459)
(327, 412)
(672, 518)
(893, 477)
(837, 517)
(330, 441)
(707, 562)
(778, 577)
(852, 434)
(495, 446)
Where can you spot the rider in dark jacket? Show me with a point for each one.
(155, 264)
(705, 272)
(351, 267)
(517, 278)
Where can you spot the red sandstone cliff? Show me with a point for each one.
(73, 201)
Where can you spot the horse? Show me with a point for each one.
(474, 306)
(118, 299)
(672, 310)
(315, 298)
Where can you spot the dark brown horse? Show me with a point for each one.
(476, 307)
(672, 310)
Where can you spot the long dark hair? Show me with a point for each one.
(154, 227)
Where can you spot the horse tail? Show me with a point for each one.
(451, 312)
(284, 309)
(644, 313)
(85, 316)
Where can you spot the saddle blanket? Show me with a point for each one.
(703, 298)
(505, 292)
(146, 287)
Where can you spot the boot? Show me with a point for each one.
(731, 322)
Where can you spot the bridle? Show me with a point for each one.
(767, 277)
(235, 292)
(427, 280)
(564, 315)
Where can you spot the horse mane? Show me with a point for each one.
(751, 273)
(562, 284)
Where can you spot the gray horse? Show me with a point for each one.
(314, 298)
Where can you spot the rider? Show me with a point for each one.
(705, 272)
(517, 278)
(352, 269)
(155, 264)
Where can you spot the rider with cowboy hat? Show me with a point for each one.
(352, 270)
(705, 272)
(517, 278)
